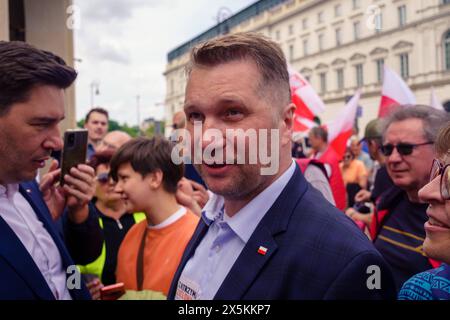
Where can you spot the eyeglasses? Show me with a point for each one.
(437, 169)
(103, 177)
(347, 157)
(404, 149)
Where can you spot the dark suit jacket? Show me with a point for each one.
(313, 252)
(20, 278)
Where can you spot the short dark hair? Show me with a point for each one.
(146, 156)
(98, 110)
(265, 53)
(320, 132)
(24, 67)
(103, 157)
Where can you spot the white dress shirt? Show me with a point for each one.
(225, 239)
(21, 218)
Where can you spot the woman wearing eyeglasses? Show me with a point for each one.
(354, 174)
(114, 221)
(435, 283)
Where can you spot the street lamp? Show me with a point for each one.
(138, 111)
(94, 91)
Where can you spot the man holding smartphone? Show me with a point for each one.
(34, 262)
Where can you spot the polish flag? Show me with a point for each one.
(395, 92)
(302, 124)
(434, 101)
(304, 97)
(262, 250)
(341, 129)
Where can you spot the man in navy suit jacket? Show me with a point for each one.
(266, 233)
(34, 262)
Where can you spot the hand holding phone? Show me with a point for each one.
(74, 151)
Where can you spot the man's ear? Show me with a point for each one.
(287, 123)
(154, 179)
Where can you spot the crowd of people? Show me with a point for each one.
(371, 224)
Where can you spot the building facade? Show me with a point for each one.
(342, 45)
(44, 24)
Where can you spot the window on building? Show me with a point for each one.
(305, 23)
(291, 52)
(380, 70)
(277, 35)
(320, 40)
(340, 78)
(445, 1)
(305, 47)
(338, 37)
(320, 17)
(337, 10)
(356, 4)
(447, 50)
(401, 15)
(378, 22)
(291, 29)
(359, 75)
(308, 78)
(356, 30)
(404, 65)
(323, 82)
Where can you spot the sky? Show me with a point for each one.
(122, 46)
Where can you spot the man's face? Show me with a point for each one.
(314, 141)
(226, 97)
(29, 133)
(409, 172)
(97, 126)
(134, 188)
(112, 141)
(373, 148)
(179, 120)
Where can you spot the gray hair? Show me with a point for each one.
(432, 119)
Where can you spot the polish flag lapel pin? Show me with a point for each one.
(262, 250)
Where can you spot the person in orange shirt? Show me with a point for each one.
(354, 174)
(152, 249)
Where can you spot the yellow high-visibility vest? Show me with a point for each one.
(96, 267)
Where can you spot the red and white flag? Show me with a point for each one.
(305, 98)
(434, 100)
(395, 92)
(302, 124)
(341, 129)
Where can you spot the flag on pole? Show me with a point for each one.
(395, 92)
(341, 129)
(304, 97)
(434, 100)
(302, 124)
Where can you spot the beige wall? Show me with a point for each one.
(421, 37)
(46, 29)
(4, 20)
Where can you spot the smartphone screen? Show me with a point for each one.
(74, 151)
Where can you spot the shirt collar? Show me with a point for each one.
(9, 190)
(245, 221)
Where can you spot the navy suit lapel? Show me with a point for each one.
(34, 198)
(13, 251)
(33, 195)
(250, 263)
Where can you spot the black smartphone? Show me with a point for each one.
(74, 151)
